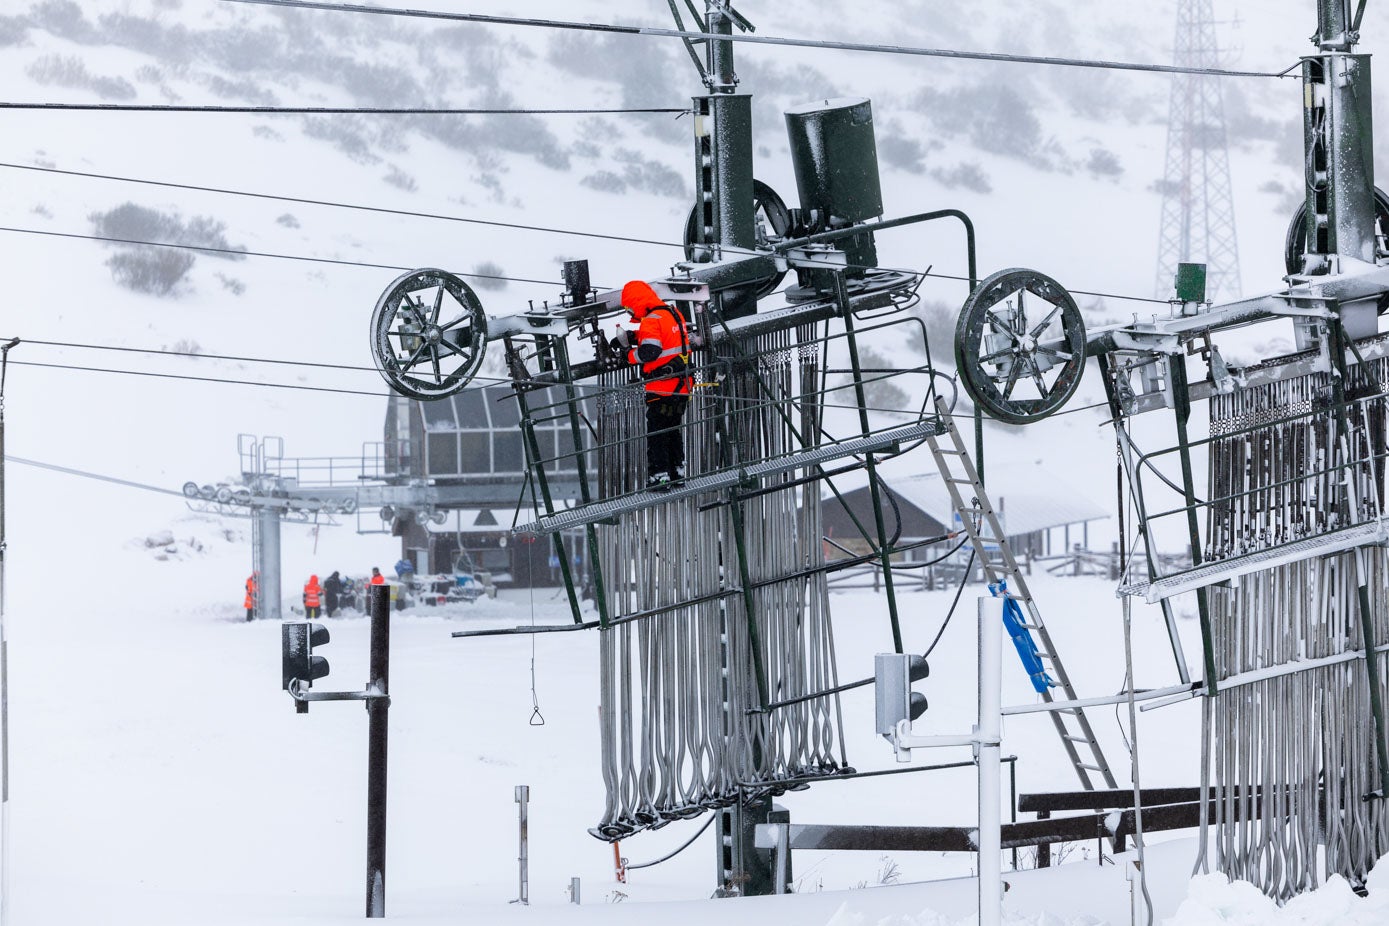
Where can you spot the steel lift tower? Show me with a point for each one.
(1198, 214)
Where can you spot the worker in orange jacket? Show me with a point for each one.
(313, 598)
(251, 596)
(661, 349)
(376, 577)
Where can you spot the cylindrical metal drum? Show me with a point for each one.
(836, 159)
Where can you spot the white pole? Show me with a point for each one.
(987, 753)
(4, 670)
(523, 796)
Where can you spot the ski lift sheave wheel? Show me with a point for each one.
(428, 334)
(1020, 346)
(1295, 244)
(772, 220)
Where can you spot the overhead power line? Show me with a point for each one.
(381, 210)
(327, 110)
(1078, 292)
(199, 355)
(200, 379)
(235, 252)
(487, 19)
(446, 218)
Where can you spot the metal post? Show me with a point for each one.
(377, 710)
(4, 670)
(842, 294)
(1181, 400)
(538, 469)
(720, 56)
(574, 890)
(783, 856)
(268, 593)
(600, 597)
(1116, 411)
(749, 603)
(523, 796)
(987, 753)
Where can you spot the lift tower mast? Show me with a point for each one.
(1198, 214)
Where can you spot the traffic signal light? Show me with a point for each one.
(297, 659)
(894, 674)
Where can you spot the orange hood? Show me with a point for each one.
(639, 298)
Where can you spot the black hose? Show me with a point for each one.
(688, 843)
(964, 577)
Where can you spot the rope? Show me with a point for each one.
(98, 476)
(537, 719)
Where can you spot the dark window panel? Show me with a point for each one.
(443, 454)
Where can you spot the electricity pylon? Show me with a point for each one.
(1198, 215)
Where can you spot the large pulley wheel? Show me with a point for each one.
(1295, 244)
(1020, 346)
(428, 334)
(771, 219)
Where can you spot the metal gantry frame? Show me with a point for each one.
(429, 333)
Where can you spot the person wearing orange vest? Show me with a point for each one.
(313, 598)
(376, 577)
(251, 596)
(661, 349)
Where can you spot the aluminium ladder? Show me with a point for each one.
(982, 525)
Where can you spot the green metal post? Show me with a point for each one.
(533, 449)
(842, 294)
(1181, 396)
(1109, 373)
(590, 531)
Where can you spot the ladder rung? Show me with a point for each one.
(1093, 768)
(1078, 739)
(962, 482)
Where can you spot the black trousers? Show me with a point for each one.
(665, 447)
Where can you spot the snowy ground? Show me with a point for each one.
(159, 775)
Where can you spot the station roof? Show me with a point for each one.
(1028, 498)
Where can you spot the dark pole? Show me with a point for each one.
(376, 749)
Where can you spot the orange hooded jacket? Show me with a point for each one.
(312, 591)
(661, 339)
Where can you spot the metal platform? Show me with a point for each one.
(610, 509)
(1372, 532)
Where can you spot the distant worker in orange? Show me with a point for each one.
(251, 596)
(376, 577)
(661, 348)
(313, 598)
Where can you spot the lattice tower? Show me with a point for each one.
(1198, 217)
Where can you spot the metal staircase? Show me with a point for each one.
(981, 523)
